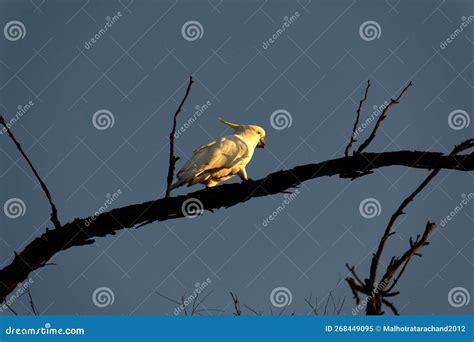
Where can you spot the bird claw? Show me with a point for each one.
(247, 181)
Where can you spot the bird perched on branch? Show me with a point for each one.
(222, 158)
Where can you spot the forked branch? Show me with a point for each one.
(381, 118)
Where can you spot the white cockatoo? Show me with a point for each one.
(222, 158)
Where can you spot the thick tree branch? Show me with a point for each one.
(54, 211)
(173, 159)
(77, 233)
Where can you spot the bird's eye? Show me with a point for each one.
(259, 133)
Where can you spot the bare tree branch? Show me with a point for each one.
(54, 211)
(356, 123)
(11, 309)
(376, 258)
(196, 304)
(32, 304)
(381, 118)
(377, 292)
(235, 299)
(314, 307)
(173, 159)
(402, 262)
(168, 298)
(77, 233)
(391, 307)
(257, 313)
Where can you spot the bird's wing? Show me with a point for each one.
(222, 153)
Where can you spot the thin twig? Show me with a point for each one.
(11, 309)
(314, 307)
(327, 303)
(193, 310)
(355, 289)
(391, 306)
(236, 302)
(32, 304)
(253, 310)
(204, 298)
(382, 117)
(196, 303)
(54, 211)
(356, 277)
(184, 306)
(168, 298)
(338, 311)
(172, 158)
(356, 123)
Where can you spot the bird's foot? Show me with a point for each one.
(247, 181)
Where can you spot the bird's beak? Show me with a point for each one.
(234, 126)
(261, 143)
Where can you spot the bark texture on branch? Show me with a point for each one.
(83, 231)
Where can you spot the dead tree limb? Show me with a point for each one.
(54, 211)
(84, 231)
(378, 291)
(356, 122)
(32, 304)
(381, 118)
(235, 300)
(173, 159)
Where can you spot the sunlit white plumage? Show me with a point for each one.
(222, 158)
